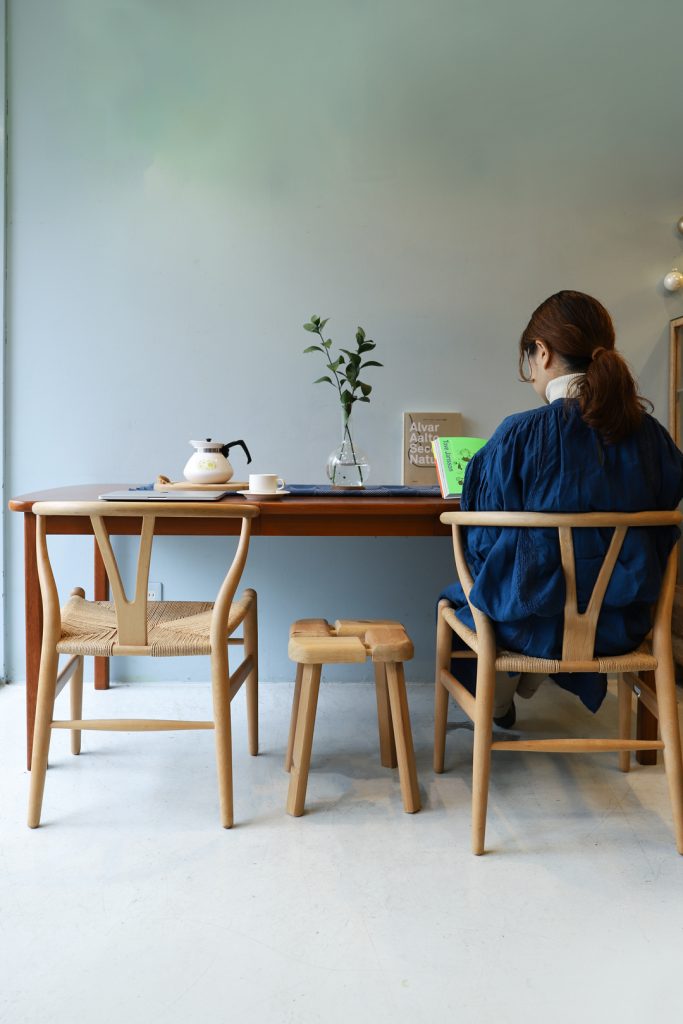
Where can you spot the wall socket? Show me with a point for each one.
(155, 590)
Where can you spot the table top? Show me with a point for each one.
(333, 515)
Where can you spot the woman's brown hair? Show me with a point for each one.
(579, 330)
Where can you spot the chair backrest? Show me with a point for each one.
(131, 615)
(578, 640)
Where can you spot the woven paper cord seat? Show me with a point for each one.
(174, 628)
(640, 660)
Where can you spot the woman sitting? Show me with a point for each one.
(592, 447)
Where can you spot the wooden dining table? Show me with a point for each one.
(341, 515)
(331, 515)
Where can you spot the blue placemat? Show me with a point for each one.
(320, 490)
(384, 491)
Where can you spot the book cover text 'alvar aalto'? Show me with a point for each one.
(419, 430)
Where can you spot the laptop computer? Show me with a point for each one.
(162, 495)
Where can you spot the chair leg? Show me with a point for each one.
(251, 648)
(403, 737)
(76, 699)
(443, 657)
(223, 728)
(481, 761)
(665, 684)
(293, 718)
(303, 742)
(47, 682)
(387, 744)
(624, 697)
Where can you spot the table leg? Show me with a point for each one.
(101, 594)
(34, 627)
(646, 723)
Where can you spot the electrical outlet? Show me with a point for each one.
(155, 590)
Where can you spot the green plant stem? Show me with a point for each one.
(353, 450)
(346, 418)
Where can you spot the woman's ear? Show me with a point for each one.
(544, 354)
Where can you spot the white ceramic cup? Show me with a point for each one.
(265, 483)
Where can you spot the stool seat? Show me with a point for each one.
(314, 643)
(325, 650)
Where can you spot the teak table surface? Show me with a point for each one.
(330, 516)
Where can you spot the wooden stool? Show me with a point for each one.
(314, 643)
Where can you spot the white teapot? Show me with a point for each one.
(209, 464)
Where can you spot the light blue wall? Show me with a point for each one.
(189, 182)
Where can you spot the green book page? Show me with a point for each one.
(453, 455)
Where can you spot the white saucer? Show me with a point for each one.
(269, 496)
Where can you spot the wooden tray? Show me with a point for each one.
(162, 483)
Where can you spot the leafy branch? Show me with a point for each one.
(346, 367)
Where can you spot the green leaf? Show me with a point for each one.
(360, 335)
(363, 399)
(366, 346)
(315, 320)
(365, 388)
(371, 362)
(353, 356)
(314, 348)
(335, 365)
(321, 323)
(327, 343)
(310, 327)
(320, 380)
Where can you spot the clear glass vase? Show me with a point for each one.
(347, 465)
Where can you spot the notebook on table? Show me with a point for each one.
(163, 495)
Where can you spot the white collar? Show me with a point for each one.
(558, 386)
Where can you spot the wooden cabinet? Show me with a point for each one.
(675, 379)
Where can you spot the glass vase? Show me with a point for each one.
(347, 465)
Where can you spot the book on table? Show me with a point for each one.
(419, 430)
(451, 456)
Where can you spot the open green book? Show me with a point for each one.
(451, 455)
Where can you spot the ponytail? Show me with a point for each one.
(579, 330)
(608, 396)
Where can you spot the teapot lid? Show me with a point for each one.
(208, 445)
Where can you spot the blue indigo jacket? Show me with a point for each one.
(549, 460)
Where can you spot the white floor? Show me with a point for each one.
(131, 904)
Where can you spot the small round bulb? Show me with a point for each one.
(673, 280)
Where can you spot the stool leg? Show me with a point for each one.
(387, 744)
(303, 741)
(403, 737)
(292, 721)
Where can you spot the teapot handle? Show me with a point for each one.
(226, 448)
